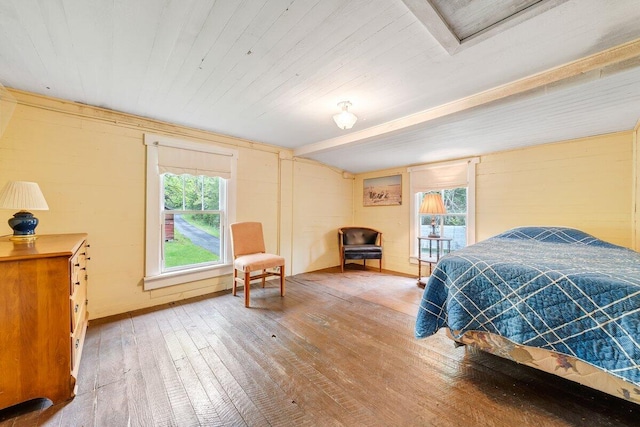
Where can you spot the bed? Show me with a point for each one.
(553, 298)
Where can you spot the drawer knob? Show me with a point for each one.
(77, 283)
(76, 309)
(77, 343)
(76, 265)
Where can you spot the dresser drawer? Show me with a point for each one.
(78, 290)
(78, 306)
(77, 341)
(79, 268)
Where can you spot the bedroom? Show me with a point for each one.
(90, 164)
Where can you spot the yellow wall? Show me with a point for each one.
(90, 164)
(584, 183)
(323, 203)
(392, 221)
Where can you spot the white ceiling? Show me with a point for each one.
(416, 71)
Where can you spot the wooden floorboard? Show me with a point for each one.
(338, 350)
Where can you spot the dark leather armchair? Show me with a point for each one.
(359, 243)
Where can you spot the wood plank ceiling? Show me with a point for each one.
(273, 71)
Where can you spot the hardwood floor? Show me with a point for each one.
(339, 349)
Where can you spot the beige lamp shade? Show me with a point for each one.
(432, 204)
(22, 195)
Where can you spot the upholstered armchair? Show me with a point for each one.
(360, 243)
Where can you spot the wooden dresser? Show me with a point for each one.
(43, 317)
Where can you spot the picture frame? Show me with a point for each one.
(382, 191)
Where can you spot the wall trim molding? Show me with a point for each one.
(130, 121)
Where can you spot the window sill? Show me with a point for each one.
(180, 277)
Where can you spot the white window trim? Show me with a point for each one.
(154, 277)
(471, 203)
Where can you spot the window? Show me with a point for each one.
(190, 202)
(453, 224)
(455, 181)
(191, 221)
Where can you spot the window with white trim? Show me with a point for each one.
(455, 181)
(190, 202)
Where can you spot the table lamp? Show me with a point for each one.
(24, 196)
(432, 205)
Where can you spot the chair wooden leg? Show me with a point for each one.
(263, 277)
(380, 265)
(282, 290)
(235, 282)
(364, 263)
(342, 264)
(247, 288)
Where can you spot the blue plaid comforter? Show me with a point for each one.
(555, 288)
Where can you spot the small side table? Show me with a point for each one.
(439, 251)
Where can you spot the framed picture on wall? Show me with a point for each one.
(383, 191)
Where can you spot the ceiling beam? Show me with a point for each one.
(616, 57)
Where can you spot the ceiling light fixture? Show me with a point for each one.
(345, 119)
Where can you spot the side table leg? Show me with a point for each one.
(420, 283)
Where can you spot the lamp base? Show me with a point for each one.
(433, 233)
(23, 225)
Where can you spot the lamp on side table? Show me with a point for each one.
(433, 205)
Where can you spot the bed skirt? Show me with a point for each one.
(558, 364)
